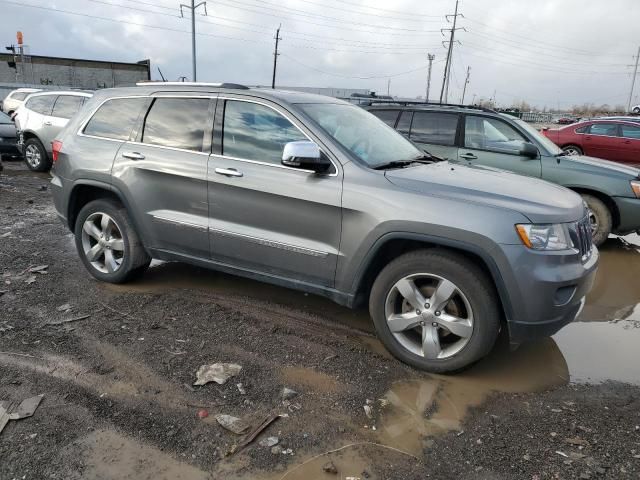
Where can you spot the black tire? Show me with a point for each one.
(478, 288)
(573, 150)
(135, 258)
(42, 162)
(636, 110)
(602, 217)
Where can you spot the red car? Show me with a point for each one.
(614, 140)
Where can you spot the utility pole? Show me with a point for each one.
(431, 58)
(466, 82)
(633, 81)
(388, 87)
(275, 57)
(444, 93)
(193, 7)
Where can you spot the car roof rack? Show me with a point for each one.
(235, 86)
(407, 103)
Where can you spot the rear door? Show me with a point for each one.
(263, 216)
(630, 139)
(64, 108)
(493, 142)
(164, 171)
(602, 141)
(38, 111)
(436, 132)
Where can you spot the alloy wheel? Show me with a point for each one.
(102, 242)
(429, 316)
(32, 154)
(571, 151)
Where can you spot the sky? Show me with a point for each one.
(549, 53)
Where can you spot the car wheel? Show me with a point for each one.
(107, 242)
(600, 218)
(636, 110)
(435, 310)
(35, 156)
(572, 150)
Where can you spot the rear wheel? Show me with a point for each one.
(572, 150)
(600, 218)
(435, 310)
(108, 243)
(35, 156)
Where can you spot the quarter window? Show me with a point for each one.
(177, 123)
(66, 106)
(485, 133)
(42, 104)
(387, 116)
(256, 132)
(606, 129)
(434, 127)
(629, 131)
(115, 118)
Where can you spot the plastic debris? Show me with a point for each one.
(26, 409)
(269, 442)
(241, 389)
(203, 413)
(250, 437)
(38, 269)
(288, 394)
(368, 411)
(330, 467)
(64, 307)
(233, 424)
(217, 372)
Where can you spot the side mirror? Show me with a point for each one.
(305, 155)
(528, 150)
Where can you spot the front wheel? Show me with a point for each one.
(572, 150)
(107, 242)
(435, 310)
(599, 217)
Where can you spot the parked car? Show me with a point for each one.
(636, 109)
(480, 136)
(566, 121)
(8, 137)
(316, 194)
(615, 140)
(628, 118)
(40, 119)
(14, 99)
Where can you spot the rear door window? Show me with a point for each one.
(604, 129)
(67, 106)
(387, 116)
(177, 123)
(630, 131)
(42, 104)
(434, 127)
(116, 118)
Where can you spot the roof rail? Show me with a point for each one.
(430, 104)
(235, 86)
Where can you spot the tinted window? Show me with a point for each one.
(115, 118)
(434, 127)
(608, 129)
(629, 131)
(491, 134)
(256, 132)
(177, 122)
(42, 104)
(66, 106)
(582, 129)
(387, 116)
(20, 95)
(404, 124)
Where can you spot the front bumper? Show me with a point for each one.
(547, 290)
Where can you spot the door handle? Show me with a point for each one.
(468, 156)
(48, 123)
(228, 172)
(133, 155)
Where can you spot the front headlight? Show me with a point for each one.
(635, 186)
(545, 237)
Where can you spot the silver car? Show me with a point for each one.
(12, 102)
(40, 118)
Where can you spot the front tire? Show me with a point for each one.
(107, 242)
(600, 218)
(572, 150)
(35, 155)
(435, 310)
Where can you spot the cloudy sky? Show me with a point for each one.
(553, 53)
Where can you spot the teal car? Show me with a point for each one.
(480, 136)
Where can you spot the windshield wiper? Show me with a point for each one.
(424, 159)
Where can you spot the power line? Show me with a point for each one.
(391, 11)
(410, 18)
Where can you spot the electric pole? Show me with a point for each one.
(633, 81)
(431, 58)
(466, 82)
(193, 9)
(388, 87)
(444, 93)
(275, 57)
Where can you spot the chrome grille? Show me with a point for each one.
(584, 238)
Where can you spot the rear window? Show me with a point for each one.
(67, 106)
(177, 123)
(387, 116)
(434, 127)
(115, 118)
(42, 104)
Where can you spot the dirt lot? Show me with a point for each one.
(119, 400)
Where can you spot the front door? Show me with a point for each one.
(630, 143)
(265, 217)
(492, 142)
(602, 141)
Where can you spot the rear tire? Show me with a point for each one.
(600, 217)
(472, 310)
(572, 150)
(107, 242)
(35, 155)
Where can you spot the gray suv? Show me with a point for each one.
(316, 194)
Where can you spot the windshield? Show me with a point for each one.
(551, 147)
(363, 134)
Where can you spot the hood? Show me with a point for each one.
(539, 201)
(630, 170)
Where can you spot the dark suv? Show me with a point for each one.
(316, 194)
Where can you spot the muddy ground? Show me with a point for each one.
(119, 401)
